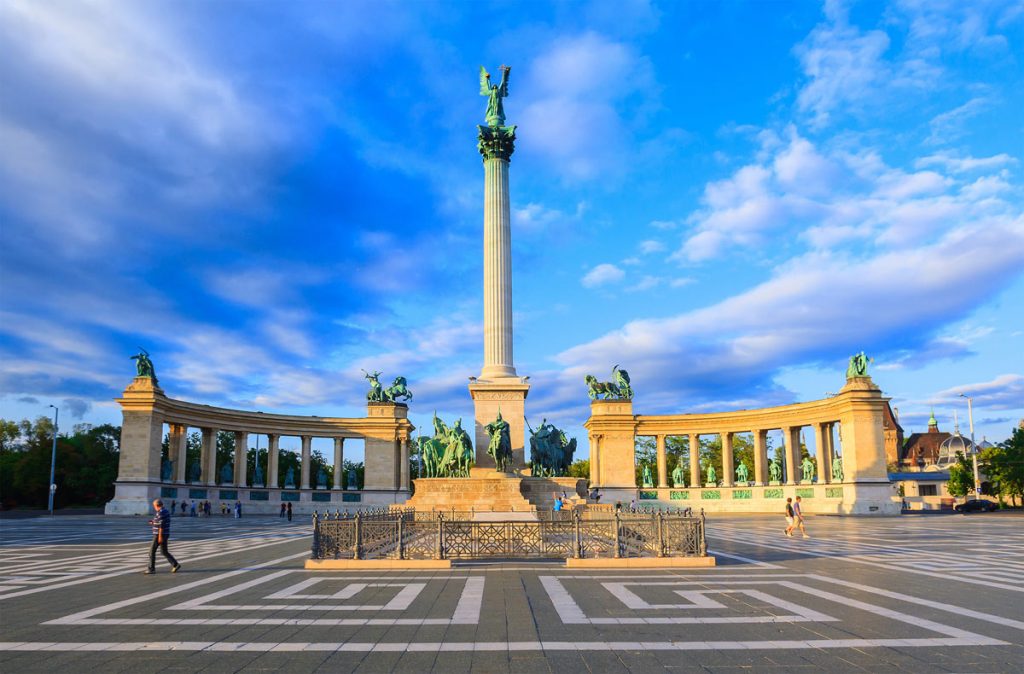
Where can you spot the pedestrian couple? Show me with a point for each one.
(161, 524)
(794, 518)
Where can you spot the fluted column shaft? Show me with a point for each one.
(694, 460)
(208, 457)
(760, 457)
(179, 451)
(728, 464)
(272, 452)
(307, 442)
(339, 462)
(241, 457)
(824, 463)
(497, 271)
(595, 460)
(403, 472)
(792, 434)
(662, 462)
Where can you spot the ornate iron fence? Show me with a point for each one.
(403, 534)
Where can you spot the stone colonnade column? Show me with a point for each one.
(792, 436)
(208, 457)
(403, 473)
(241, 457)
(339, 462)
(662, 463)
(496, 145)
(728, 467)
(272, 452)
(307, 443)
(824, 462)
(694, 460)
(760, 457)
(179, 451)
(595, 460)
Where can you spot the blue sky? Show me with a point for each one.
(726, 199)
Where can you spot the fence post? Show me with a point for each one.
(703, 535)
(401, 548)
(661, 535)
(315, 554)
(617, 535)
(358, 538)
(577, 548)
(440, 536)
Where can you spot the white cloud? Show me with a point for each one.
(1002, 393)
(651, 246)
(949, 126)
(602, 274)
(968, 164)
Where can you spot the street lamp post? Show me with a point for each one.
(53, 457)
(974, 448)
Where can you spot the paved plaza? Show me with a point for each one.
(914, 594)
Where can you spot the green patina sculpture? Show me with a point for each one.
(194, 472)
(143, 365)
(500, 445)
(495, 140)
(494, 92)
(449, 453)
(858, 365)
(289, 479)
(677, 476)
(807, 466)
(166, 469)
(837, 469)
(379, 394)
(712, 476)
(227, 473)
(775, 471)
(551, 451)
(742, 473)
(617, 389)
(647, 478)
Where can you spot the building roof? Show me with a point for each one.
(922, 476)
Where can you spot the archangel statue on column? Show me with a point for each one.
(495, 92)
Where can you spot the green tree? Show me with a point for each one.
(961, 477)
(580, 468)
(1004, 465)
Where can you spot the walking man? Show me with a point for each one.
(799, 514)
(161, 524)
(790, 517)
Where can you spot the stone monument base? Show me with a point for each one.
(490, 491)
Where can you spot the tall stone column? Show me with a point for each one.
(791, 434)
(208, 457)
(496, 144)
(307, 444)
(760, 457)
(179, 450)
(498, 388)
(728, 464)
(695, 480)
(595, 460)
(273, 450)
(339, 462)
(241, 457)
(824, 462)
(662, 463)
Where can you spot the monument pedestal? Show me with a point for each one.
(507, 394)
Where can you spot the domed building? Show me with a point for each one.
(950, 447)
(922, 449)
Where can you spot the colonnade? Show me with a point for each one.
(178, 438)
(759, 474)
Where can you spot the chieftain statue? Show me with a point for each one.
(774, 471)
(500, 445)
(257, 475)
(646, 477)
(712, 480)
(166, 469)
(551, 451)
(677, 476)
(837, 469)
(807, 468)
(227, 473)
(858, 366)
(289, 479)
(143, 365)
(449, 453)
(742, 473)
(617, 389)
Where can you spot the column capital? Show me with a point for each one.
(496, 142)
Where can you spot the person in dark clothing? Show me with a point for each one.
(161, 524)
(289, 512)
(284, 510)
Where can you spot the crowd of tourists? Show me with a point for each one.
(205, 509)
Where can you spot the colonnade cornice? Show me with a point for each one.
(196, 415)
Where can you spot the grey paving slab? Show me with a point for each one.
(862, 595)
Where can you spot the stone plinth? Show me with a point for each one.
(507, 394)
(612, 428)
(499, 493)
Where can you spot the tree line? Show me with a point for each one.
(1002, 464)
